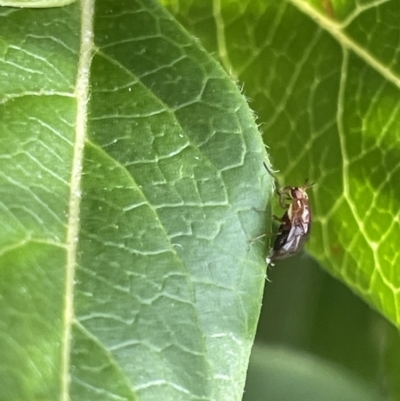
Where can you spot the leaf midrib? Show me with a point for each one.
(336, 30)
(82, 95)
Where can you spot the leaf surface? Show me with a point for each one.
(131, 179)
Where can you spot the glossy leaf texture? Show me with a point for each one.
(323, 78)
(131, 182)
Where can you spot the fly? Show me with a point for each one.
(294, 229)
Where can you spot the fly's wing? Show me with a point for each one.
(283, 233)
(296, 239)
(292, 235)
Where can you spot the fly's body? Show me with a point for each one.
(295, 224)
(294, 229)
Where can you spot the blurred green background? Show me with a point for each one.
(316, 340)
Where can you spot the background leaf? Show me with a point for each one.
(127, 206)
(324, 84)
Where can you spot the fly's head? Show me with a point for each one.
(296, 193)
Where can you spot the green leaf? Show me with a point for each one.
(131, 183)
(324, 82)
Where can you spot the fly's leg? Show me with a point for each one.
(273, 176)
(262, 236)
(275, 217)
(284, 195)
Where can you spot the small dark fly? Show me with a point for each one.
(294, 229)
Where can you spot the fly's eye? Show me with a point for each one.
(298, 193)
